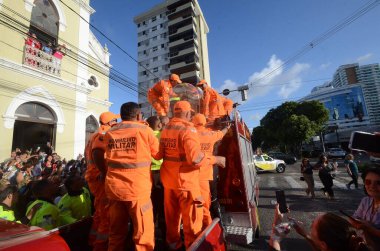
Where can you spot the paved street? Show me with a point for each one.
(302, 208)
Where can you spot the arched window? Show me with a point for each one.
(45, 21)
(35, 112)
(91, 126)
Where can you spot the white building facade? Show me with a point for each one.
(172, 38)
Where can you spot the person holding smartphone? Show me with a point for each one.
(367, 215)
(328, 232)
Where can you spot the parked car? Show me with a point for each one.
(336, 153)
(288, 158)
(265, 163)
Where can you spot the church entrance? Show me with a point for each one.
(35, 125)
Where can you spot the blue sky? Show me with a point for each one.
(249, 39)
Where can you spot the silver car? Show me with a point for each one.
(336, 153)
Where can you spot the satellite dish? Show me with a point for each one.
(226, 92)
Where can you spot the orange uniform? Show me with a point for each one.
(130, 146)
(180, 149)
(159, 95)
(207, 140)
(214, 105)
(100, 226)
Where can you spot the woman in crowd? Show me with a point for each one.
(352, 170)
(367, 214)
(329, 232)
(307, 172)
(325, 169)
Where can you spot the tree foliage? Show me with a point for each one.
(290, 124)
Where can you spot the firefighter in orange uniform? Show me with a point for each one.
(159, 94)
(130, 147)
(207, 139)
(180, 149)
(214, 105)
(95, 174)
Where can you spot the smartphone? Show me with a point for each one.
(364, 141)
(281, 200)
(346, 214)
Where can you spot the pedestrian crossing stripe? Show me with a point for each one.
(298, 184)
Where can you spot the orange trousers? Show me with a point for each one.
(205, 191)
(187, 205)
(98, 238)
(141, 214)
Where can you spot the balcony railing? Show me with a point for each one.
(41, 61)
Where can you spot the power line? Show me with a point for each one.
(113, 73)
(113, 76)
(267, 104)
(109, 39)
(340, 25)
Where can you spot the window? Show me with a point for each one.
(161, 15)
(162, 45)
(144, 32)
(154, 19)
(138, 25)
(154, 48)
(154, 38)
(155, 59)
(144, 23)
(93, 81)
(155, 80)
(155, 69)
(154, 28)
(138, 44)
(161, 25)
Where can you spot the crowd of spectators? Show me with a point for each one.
(24, 173)
(55, 53)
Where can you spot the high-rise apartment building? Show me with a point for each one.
(172, 38)
(368, 76)
(352, 99)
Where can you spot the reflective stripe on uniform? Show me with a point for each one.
(199, 158)
(175, 99)
(128, 165)
(101, 237)
(125, 126)
(205, 133)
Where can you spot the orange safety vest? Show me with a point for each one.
(129, 148)
(182, 155)
(207, 139)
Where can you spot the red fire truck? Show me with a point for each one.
(238, 193)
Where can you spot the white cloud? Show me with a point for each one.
(324, 66)
(268, 78)
(292, 77)
(364, 58)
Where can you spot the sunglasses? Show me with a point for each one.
(369, 182)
